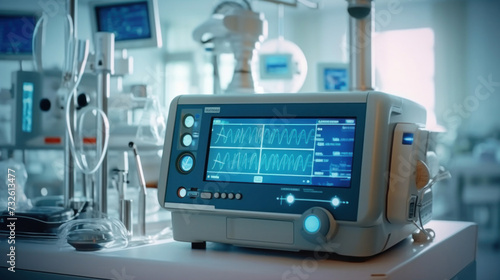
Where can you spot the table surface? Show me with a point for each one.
(453, 249)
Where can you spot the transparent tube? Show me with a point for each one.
(37, 52)
(70, 54)
(79, 157)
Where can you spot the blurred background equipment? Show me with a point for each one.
(233, 28)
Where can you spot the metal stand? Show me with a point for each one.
(103, 83)
(104, 44)
(360, 40)
(69, 171)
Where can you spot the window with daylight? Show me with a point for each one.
(404, 65)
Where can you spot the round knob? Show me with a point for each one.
(187, 140)
(312, 224)
(82, 100)
(318, 225)
(185, 163)
(188, 121)
(45, 104)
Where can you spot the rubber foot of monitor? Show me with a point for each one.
(199, 245)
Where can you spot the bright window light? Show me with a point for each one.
(178, 79)
(226, 69)
(404, 65)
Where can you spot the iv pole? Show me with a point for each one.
(104, 44)
(360, 44)
(69, 171)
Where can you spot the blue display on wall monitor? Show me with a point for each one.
(16, 36)
(128, 21)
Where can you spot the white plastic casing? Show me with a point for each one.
(104, 45)
(382, 213)
(408, 148)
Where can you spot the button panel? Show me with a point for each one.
(182, 192)
(189, 130)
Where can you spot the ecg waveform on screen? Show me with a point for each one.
(236, 161)
(278, 162)
(286, 163)
(289, 136)
(302, 151)
(251, 136)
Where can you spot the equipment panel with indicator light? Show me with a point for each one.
(311, 168)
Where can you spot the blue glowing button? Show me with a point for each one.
(407, 138)
(185, 163)
(312, 224)
(188, 121)
(336, 202)
(187, 140)
(181, 192)
(290, 198)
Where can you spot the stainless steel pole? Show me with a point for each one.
(103, 88)
(104, 44)
(360, 44)
(69, 171)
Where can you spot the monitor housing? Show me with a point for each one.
(135, 23)
(294, 171)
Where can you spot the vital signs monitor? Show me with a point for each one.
(328, 172)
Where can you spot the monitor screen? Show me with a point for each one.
(128, 21)
(335, 78)
(295, 151)
(16, 36)
(135, 23)
(276, 66)
(27, 121)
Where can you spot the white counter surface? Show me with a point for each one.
(450, 253)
